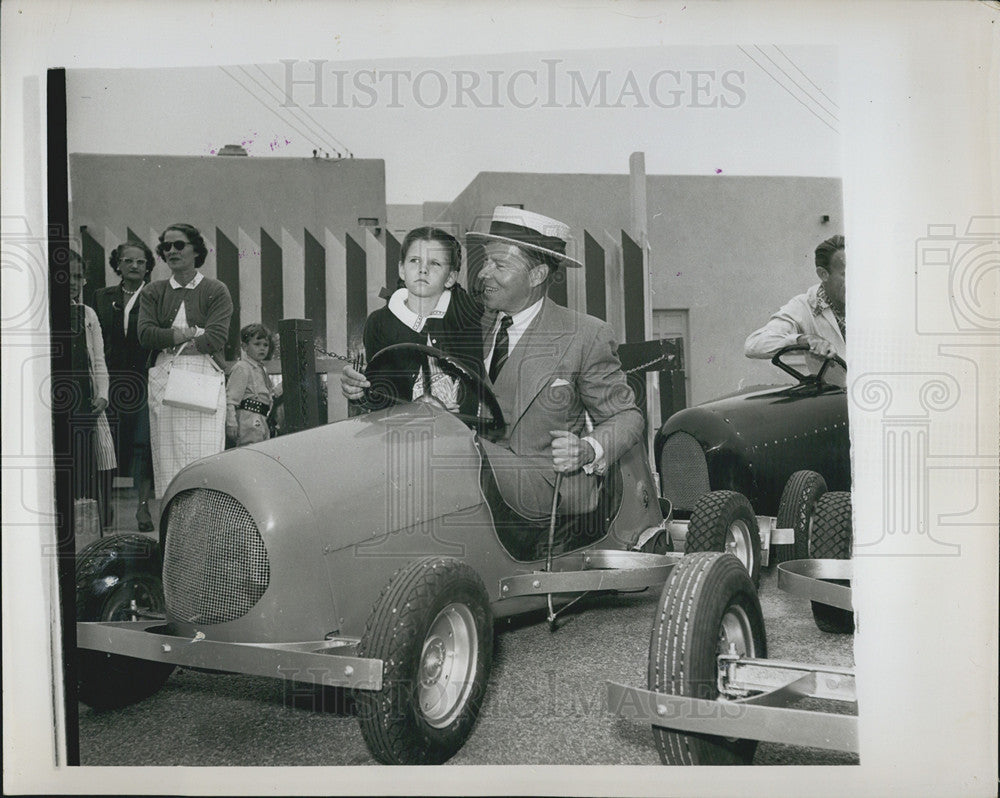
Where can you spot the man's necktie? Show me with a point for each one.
(500, 350)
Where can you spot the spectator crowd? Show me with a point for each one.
(148, 385)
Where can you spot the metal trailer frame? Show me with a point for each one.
(756, 695)
(333, 661)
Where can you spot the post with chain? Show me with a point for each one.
(298, 374)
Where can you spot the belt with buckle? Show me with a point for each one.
(255, 407)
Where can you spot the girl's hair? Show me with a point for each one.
(253, 331)
(436, 234)
(191, 233)
(117, 252)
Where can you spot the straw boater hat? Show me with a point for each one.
(529, 230)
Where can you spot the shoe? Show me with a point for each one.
(143, 518)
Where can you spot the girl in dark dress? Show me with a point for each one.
(432, 309)
(117, 309)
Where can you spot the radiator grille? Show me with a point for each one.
(215, 566)
(683, 471)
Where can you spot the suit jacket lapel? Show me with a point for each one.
(533, 361)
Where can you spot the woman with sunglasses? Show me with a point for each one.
(117, 308)
(184, 318)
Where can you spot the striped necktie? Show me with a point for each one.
(500, 350)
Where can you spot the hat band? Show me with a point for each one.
(527, 235)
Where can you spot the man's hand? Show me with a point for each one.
(99, 405)
(353, 383)
(569, 453)
(817, 345)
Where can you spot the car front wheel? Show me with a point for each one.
(723, 520)
(433, 630)
(798, 500)
(832, 539)
(110, 681)
(708, 607)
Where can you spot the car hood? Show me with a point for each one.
(380, 472)
(759, 415)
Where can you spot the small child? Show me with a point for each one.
(250, 394)
(431, 309)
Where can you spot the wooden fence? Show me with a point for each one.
(334, 282)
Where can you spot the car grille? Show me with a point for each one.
(215, 566)
(683, 471)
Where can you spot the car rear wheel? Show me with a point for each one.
(724, 521)
(110, 681)
(708, 607)
(795, 512)
(433, 630)
(832, 539)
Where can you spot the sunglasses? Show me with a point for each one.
(166, 246)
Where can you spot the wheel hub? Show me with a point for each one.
(735, 641)
(738, 543)
(447, 665)
(433, 662)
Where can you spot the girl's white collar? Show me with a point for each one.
(398, 308)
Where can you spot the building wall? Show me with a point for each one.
(276, 227)
(727, 250)
(111, 193)
(400, 219)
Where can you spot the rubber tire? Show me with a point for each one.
(111, 681)
(684, 645)
(711, 518)
(832, 540)
(795, 510)
(392, 724)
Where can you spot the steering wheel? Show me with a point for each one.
(805, 378)
(454, 368)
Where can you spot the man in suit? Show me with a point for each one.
(556, 374)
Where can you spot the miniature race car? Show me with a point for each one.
(743, 473)
(372, 554)
(712, 693)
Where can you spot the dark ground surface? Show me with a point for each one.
(544, 704)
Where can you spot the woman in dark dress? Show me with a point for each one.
(117, 309)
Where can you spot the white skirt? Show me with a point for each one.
(178, 437)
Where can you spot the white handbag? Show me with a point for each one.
(193, 390)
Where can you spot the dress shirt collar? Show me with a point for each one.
(198, 277)
(398, 308)
(521, 319)
(519, 323)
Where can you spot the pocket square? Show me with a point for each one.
(559, 382)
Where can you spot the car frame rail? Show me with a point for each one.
(331, 662)
(593, 570)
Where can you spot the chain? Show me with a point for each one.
(654, 361)
(320, 350)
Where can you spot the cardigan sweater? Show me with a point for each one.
(208, 305)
